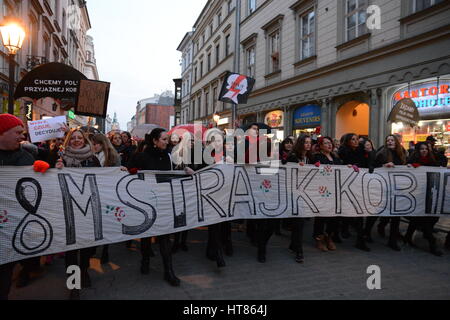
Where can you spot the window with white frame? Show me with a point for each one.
(251, 7)
(250, 61)
(307, 35)
(219, 19)
(274, 51)
(419, 5)
(355, 18)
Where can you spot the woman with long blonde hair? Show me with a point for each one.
(105, 152)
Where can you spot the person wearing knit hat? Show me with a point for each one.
(11, 154)
(11, 132)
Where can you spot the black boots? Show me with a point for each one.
(261, 254)
(169, 275)
(381, 230)
(85, 279)
(394, 245)
(433, 247)
(361, 244)
(299, 257)
(105, 255)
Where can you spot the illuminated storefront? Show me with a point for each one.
(432, 98)
(275, 120)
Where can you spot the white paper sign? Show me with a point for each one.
(43, 130)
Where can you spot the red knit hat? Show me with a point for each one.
(8, 121)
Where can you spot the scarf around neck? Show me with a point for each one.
(74, 157)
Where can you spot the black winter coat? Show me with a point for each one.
(320, 157)
(350, 156)
(20, 158)
(381, 158)
(151, 159)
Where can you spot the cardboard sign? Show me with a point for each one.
(43, 130)
(93, 98)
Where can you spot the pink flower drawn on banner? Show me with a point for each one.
(3, 218)
(266, 185)
(324, 193)
(326, 171)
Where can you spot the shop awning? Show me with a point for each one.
(52, 80)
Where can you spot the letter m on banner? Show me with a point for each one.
(236, 88)
(83, 198)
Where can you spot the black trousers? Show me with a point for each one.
(296, 234)
(264, 230)
(384, 221)
(79, 258)
(319, 226)
(180, 237)
(215, 236)
(165, 249)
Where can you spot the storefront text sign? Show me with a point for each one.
(431, 98)
(307, 117)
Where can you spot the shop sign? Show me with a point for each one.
(29, 111)
(71, 114)
(274, 119)
(307, 117)
(432, 98)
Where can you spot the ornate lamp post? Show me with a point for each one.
(13, 36)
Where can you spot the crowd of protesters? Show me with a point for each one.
(159, 151)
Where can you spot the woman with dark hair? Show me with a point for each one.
(285, 148)
(156, 157)
(324, 238)
(368, 162)
(351, 155)
(78, 154)
(423, 156)
(300, 154)
(391, 154)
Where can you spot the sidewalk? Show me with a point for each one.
(409, 274)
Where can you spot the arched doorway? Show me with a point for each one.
(353, 117)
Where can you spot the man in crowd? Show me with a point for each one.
(11, 154)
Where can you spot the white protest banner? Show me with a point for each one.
(47, 129)
(70, 209)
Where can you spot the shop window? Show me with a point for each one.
(355, 18)
(419, 5)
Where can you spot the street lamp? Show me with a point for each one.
(13, 36)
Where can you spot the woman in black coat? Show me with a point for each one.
(156, 157)
(324, 240)
(300, 154)
(391, 155)
(352, 155)
(78, 154)
(423, 156)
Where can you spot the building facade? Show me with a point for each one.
(320, 68)
(213, 55)
(326, 67)
(55, 32)
(186, 48)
